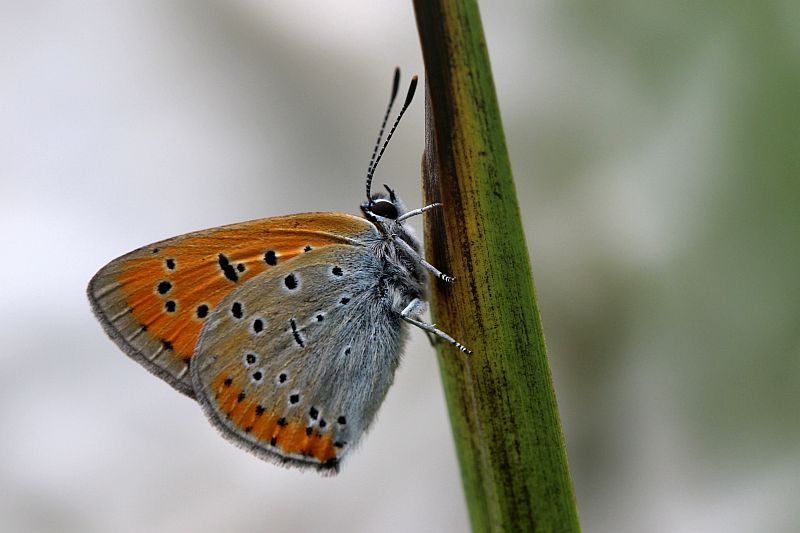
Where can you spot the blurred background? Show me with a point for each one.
(656, 151)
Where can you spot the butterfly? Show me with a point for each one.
(286, 330)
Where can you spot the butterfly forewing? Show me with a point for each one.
(153, 302)
(293, 363)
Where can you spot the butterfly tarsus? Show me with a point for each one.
(412, 252)
(427, 266)
(419, 211)
(433, 339)
(415, 307)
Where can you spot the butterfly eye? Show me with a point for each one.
(384, 208)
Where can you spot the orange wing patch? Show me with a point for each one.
(279, 436)
(153, 301)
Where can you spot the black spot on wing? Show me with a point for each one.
(227, 268)
(164, 287)
(297, 338)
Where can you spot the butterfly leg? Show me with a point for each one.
(416, 307)
(419, 211)
(424, 264)
(433, 339)
(420, 307)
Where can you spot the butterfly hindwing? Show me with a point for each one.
(293, 364)
(154, 301)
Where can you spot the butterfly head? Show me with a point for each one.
(388, 214)
(384, 210)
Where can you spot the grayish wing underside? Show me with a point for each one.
(294, 364)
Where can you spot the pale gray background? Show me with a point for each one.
(655, 148)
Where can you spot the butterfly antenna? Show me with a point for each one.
(395, 86)
(409, 97)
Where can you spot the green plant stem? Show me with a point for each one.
(501, 399)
